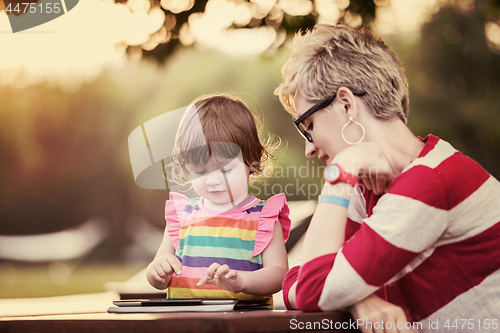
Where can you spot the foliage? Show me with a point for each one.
(275, 16)
(462, 83)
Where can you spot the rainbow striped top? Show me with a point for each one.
(236, 237)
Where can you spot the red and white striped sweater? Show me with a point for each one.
(431, 245)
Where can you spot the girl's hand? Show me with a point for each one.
(367, 161)
(223, 277)
(161, 269)
(373, 310)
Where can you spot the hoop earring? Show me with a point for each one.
(352, 121)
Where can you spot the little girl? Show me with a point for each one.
(226, 243)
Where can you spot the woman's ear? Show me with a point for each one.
(347, 99)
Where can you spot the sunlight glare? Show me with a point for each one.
(244, 42)
(96, 33)
(76, 46)
(275, 17)
(353, 19)
(403, 16)
(220, 13)
(177, 6)
(343, 4)
(212, 29)
(186, 35)
(265, 5)
(328, 11)
(492, 32)
(243, 14)
(161, 36)
(296, 7)
(139, 5)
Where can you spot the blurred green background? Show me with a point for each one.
(64, 150)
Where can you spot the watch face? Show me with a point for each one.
(332, 172)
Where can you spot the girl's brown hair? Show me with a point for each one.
(222, 125)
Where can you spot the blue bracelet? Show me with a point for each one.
(334, 199)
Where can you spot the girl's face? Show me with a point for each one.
(222, 182)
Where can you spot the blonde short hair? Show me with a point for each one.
(330, 57)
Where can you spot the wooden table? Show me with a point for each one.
(67, 316)
(237, 322)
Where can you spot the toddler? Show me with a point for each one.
(226, 243)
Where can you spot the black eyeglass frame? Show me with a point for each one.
(316, 107)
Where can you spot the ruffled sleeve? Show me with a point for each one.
(173, 212)
(275, 209)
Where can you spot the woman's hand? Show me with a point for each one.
(367, 161)
(223, 277)
(161, 269)
(389, 317)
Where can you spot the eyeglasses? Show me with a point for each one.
(316, 107)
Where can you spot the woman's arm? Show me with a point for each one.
(289, 288)
(344, 274)
(372, 309)
(326, 233)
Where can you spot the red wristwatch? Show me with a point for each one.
(334, 174)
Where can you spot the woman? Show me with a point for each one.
(400, 219)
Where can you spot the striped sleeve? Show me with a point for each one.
(405, 225)
(289, 280)
(311, 281)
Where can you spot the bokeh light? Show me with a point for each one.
(101, 33)
(76, 46)
(492, 32)
(296, 7)
(213, 29)
(177, 6)
(403, 16)
(328, 10)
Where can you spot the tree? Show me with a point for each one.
(286, 17)
(461, 50)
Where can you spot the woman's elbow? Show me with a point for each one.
(307, 299)
(311, 282)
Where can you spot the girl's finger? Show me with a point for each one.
(203, 280)
(231, 275)
(157, 276)
(165, 268)
(212, 269)
(222, 270)
(175, 264)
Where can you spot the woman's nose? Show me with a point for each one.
(311, 149)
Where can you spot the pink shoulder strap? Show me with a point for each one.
(173, 212)
(275, 209)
